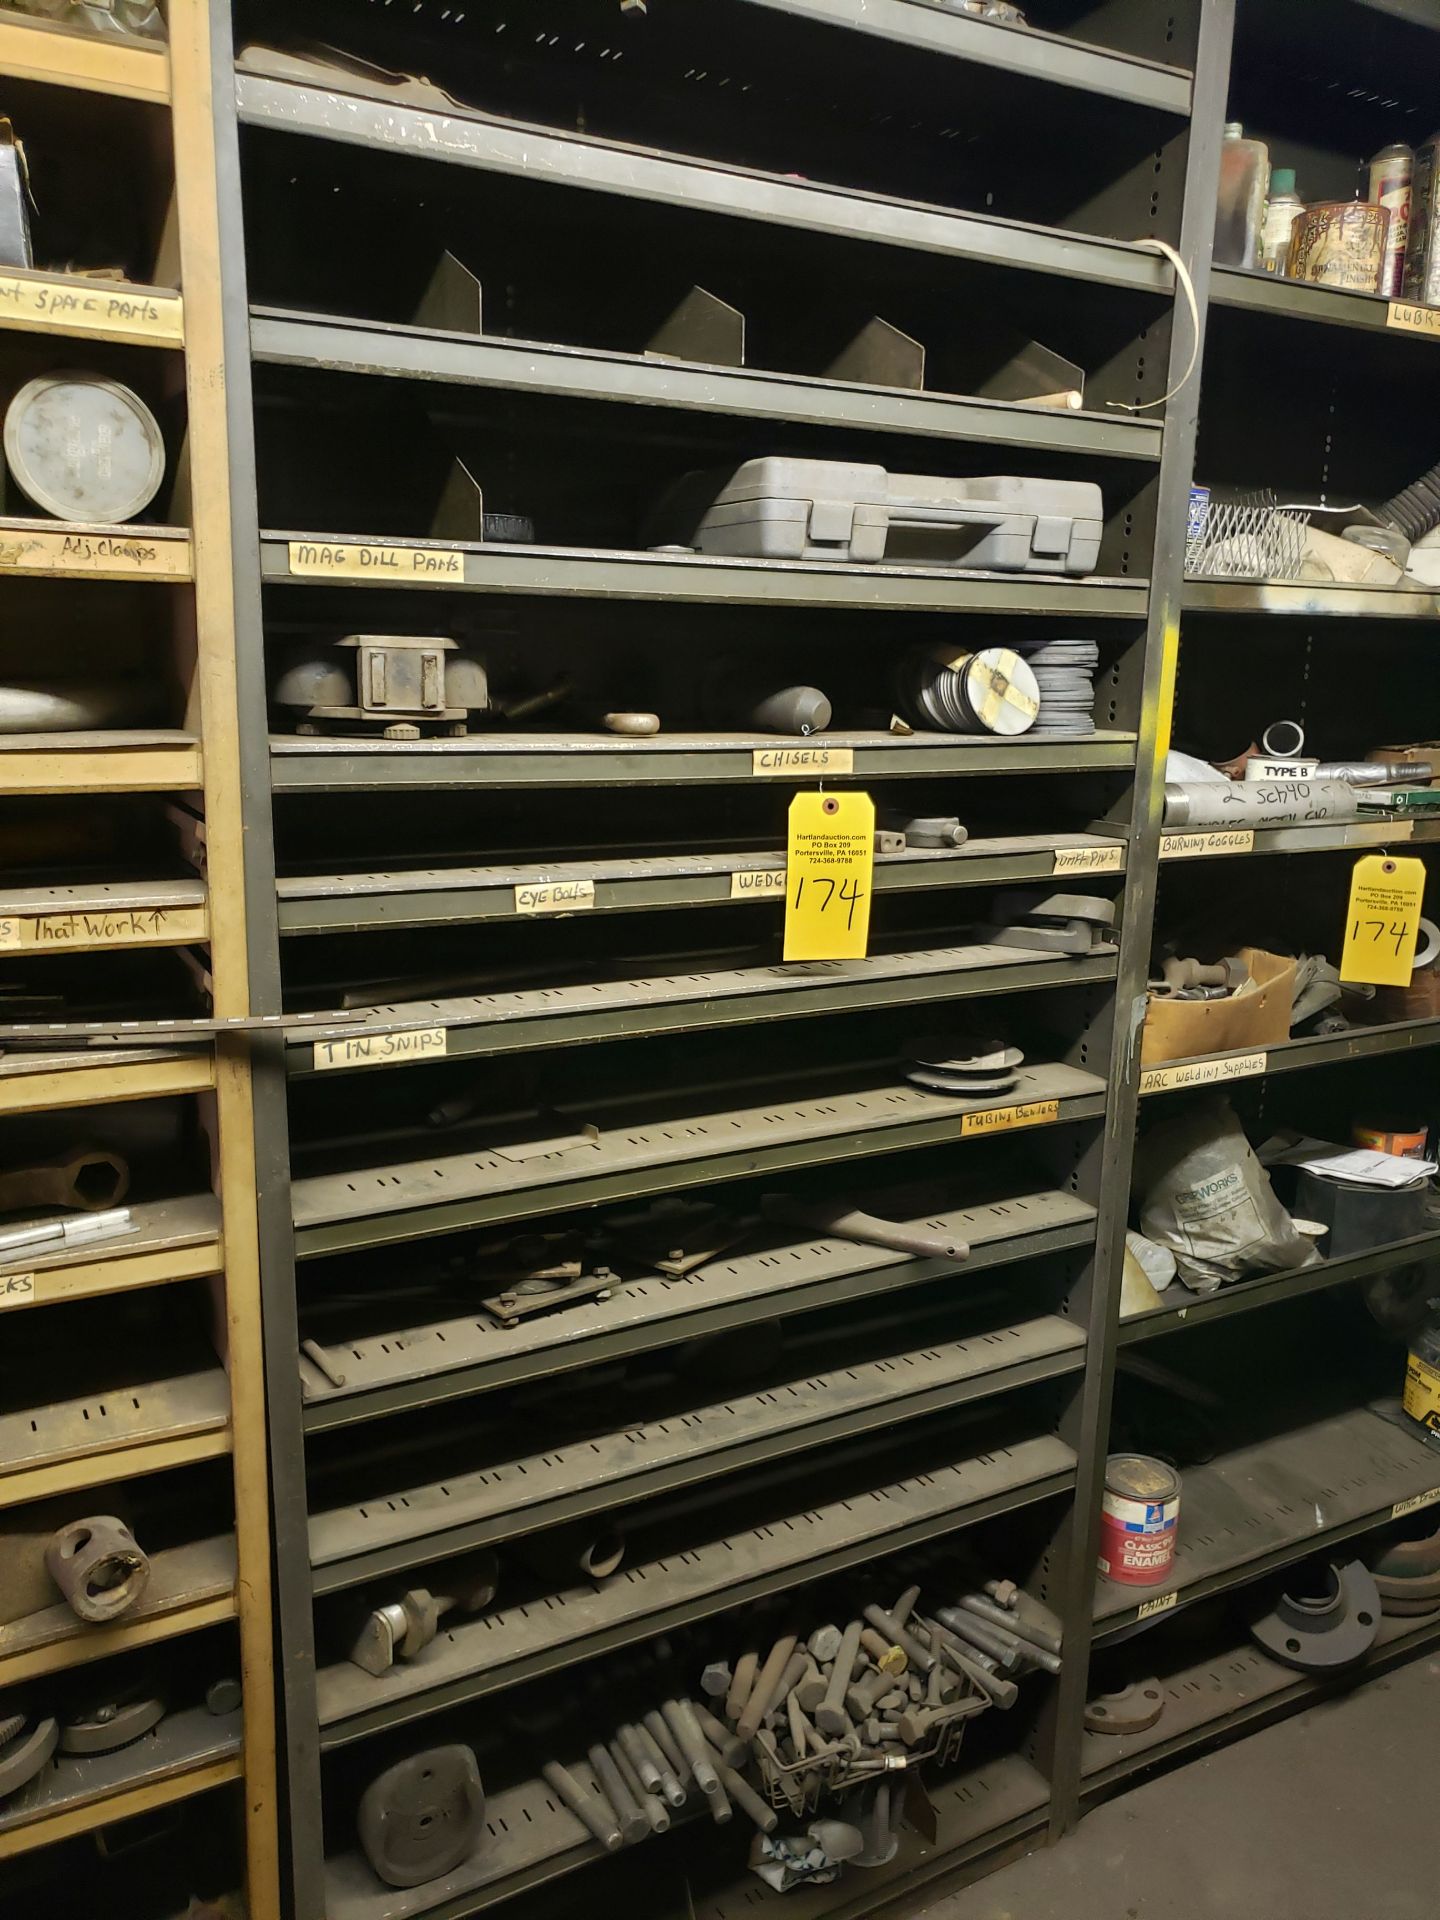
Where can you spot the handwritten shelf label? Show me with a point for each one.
(380, 1049)
(767, 761)
(17, 1290)
(1202, 1073)
(1201, 846)
(72, 305)
(1089, 860)
(114, 556)
(764, 883)
(555, 896)
(1414, 1503)
(1161, 1604)
(374, 560)
(1414, 319)
(1034, 1113)
(107, 927)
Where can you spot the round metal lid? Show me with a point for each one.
(84, 447)
(1138, 1476)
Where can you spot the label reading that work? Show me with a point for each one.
(555, 896)
(1089, 860)
(1414, 1503)
(1202, 1073)
(1162, 1604)
(1382, 922)
(116, 555)
(1201, 846)
(1034, 1113)
(380, 1049)
(373, 560)
(17, 1290)
(124, 926)
(763, 883)
(1414, 319)
(73, 305)
(829, 862)
(766, 761)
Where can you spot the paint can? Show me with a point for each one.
(1340, 243)
(1390, 178)
(1139, 1519)
(1404, 1134)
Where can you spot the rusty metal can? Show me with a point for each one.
(1391, 173)
(1139, 1520)
(1421, 284)
(1340, 243)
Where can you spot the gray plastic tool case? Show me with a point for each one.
(782, 509)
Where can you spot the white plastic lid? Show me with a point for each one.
(84, 447)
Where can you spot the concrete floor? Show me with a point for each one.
(1330, 1815)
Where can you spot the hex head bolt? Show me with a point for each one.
(645, 1768)
(824, 1644)
(767, 1687)
(830, 1715)
(649, 1804)
(669, 1780)
(589, 1808)
(680, 1718)
(730, 1747)
(1013, 1622)
(811, 1687)
(977, 1633)
(1004, 1593)
(633, 1824)
(745, 1797)
(862, 1696)
(919, 1657)
(742, 1685)
(715, 1680)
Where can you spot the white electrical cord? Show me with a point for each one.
(1182, 274)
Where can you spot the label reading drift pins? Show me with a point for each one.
(373, 560)
(1202, 1073)
(1203, 846)
(72, 305)
(555, 896)
(1414, 319)
(1089, 860)
(1034, 1113)
(17, 1290)
(764, 883)
(380, 1049)
(767, 762)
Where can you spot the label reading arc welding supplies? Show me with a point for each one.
(555, 896)
(1414, 1504)
(761, 884)
(1089, 860)
(1413, 319)
(1202, 1073)
(765, 762)
(121, 927)
(17, 1290)
(829, 869)
(73, 305)
(1199, 846)
(374, 560)
(115, 555)
(1162, 1604)
(1382, 922)
(381, 1049)
(1034, 1113)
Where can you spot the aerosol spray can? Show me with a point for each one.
(1391, 172)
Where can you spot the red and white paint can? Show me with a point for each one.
(1139, 1520)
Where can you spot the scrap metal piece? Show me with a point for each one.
(99, 1567)
(1320, 1632)
(91, 1178)
(423, 1816)
(1131, 1710)
(831, 1716)
(767, 1686)
(23, 1755)
(634, 1825)
(865, 1229)
(401, 1629)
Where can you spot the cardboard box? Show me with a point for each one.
(1181, 1029)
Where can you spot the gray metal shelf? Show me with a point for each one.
(1296, 1056)
(1264, 1506)
(388, 1204)
(1368, 831)
(314, 765)
(1253, 292)
(444, 896)
(456, 1357)
(1311, 600)
(457, 566)
(937, 28)
(339, 109)
(285, 337)
(512, 1644)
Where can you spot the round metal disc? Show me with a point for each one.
(1000, 691)
(84, 448)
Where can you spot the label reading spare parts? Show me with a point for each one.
(830, 858)
(1382, 923)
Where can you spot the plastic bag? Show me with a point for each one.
(1206, 1196)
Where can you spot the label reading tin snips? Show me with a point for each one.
(380, 1049)
(1139, 1520)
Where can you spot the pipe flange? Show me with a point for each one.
(1332, 1628)
(1409, 1559)
(99, 1567)
(1131, 1710)
(423, 1816)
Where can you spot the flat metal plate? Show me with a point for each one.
(191, 1738)
(124, 1413)
(1310, 601)
(372, 1206)
(156, 1226)
(1264, 1506)
(103, 896)
(509, 1645)
(444, 1358)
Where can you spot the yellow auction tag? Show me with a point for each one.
(830, 857)
(1382, 923)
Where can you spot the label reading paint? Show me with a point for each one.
(766, 761)
(121, 927)
(1034, 1113)
(555, 896)
(117, 556)
(763, 883)
(73, 305)
(379, 1049)
(1202, 1073)
(374, 560)
(1382, 922)
(1414, 319)
(1201, 846)
(829, 868)
(1162, 1604)
(1089, 860)
(1414, 1504)
(17, 1290)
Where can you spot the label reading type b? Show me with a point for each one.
(380, 1049)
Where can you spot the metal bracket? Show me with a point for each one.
(451, 302)
(880, 355)
(702, 328)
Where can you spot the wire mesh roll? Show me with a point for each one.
(989, 691)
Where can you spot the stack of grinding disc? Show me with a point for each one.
(962, 1063)
(950, 691)
(1064, 673)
